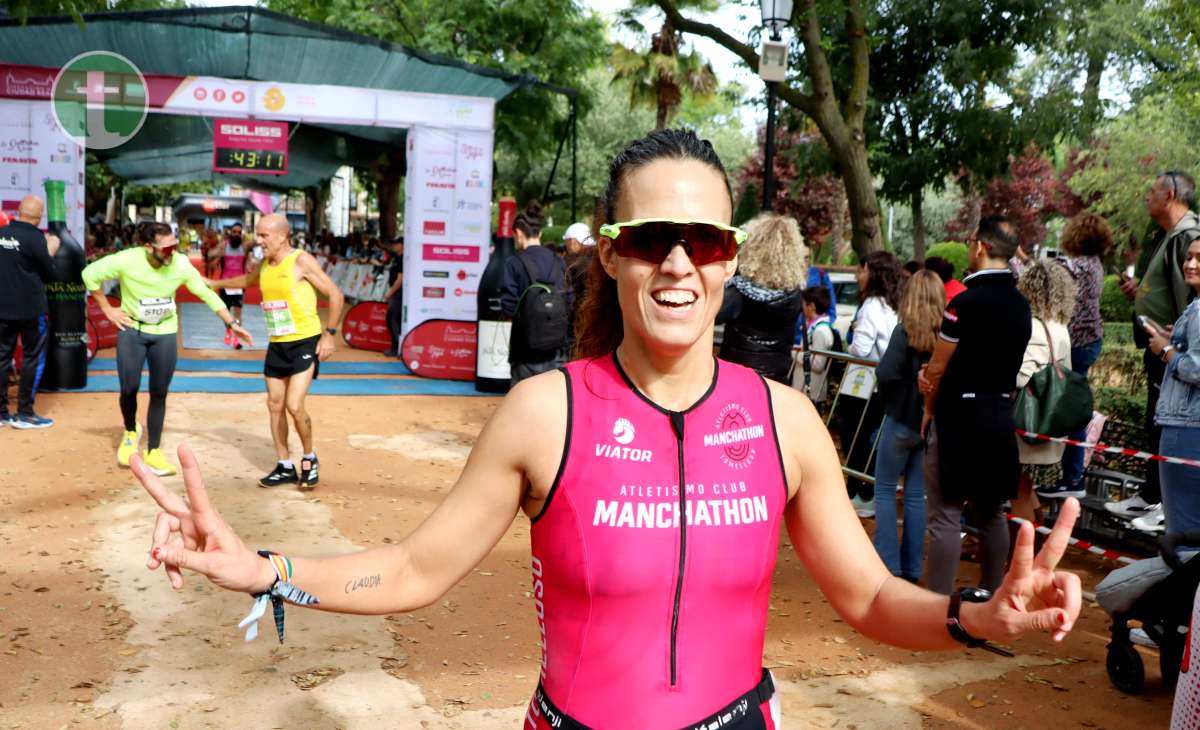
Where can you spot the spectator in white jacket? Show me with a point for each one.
(1051, 292)
(879, 280)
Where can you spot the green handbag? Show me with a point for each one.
(1055, 401)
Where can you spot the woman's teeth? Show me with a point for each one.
(674, 297)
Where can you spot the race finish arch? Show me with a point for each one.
(202, 66)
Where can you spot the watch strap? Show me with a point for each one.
(960, 634)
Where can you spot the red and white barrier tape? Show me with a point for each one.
(1105, 448)
(1082, 544)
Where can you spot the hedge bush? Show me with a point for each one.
(1114, 307)
(952, 251)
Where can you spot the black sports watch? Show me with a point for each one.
(331, 330)
(955, 627)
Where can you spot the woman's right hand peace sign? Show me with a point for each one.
(191, 534)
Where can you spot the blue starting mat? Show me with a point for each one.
(203, 330)
(320, 386)
(255, 367)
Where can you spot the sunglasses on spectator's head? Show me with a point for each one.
(652, 239)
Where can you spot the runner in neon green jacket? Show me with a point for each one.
(148, 322)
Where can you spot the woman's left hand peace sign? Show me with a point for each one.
(1034, 596)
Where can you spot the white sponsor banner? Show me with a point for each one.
(211, 96)
(446, 223)
(33, 149)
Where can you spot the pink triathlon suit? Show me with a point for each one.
(235, 262)
(649, 620)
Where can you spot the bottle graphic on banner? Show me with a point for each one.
(492, 374)
(66, 353)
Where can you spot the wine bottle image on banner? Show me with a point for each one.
(66, 353)
(492, 374)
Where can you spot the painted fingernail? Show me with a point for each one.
(156, 553)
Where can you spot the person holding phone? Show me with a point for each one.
(1160, 293)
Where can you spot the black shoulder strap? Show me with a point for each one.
(533, 278)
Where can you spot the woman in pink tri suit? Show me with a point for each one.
(655, 513)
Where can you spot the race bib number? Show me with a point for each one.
(155, 310)
(279, 318)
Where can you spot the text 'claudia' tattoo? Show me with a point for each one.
(363, 583)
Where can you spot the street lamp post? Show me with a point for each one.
(772, 68)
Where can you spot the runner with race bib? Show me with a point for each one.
(148, 323)
(290, 279)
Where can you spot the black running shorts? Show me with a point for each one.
(285, 359)
(230, 300)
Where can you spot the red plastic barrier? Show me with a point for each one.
(441, 348)
(365, 327)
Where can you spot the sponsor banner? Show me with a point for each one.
(250, 146)
(440, 348)
(33, 149)
(447, 252)
(314, 103)
(365, 327)
(446, 218)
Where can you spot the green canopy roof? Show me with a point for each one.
(254, 44)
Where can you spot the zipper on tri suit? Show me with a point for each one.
(677, 424)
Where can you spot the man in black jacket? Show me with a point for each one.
(26, 262)
(548, 268)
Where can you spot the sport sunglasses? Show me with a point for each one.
(652, 239)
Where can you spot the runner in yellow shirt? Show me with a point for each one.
(290, 280)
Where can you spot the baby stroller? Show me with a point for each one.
(1158, 592)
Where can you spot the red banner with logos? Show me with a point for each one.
(441, 348)
(365, 327)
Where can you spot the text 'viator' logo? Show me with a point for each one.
(623, 433)
(100, 99)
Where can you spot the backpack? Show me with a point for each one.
(836, 367)
(543, 316)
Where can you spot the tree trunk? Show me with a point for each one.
(918, 225)
(839, 246)
(1096, 59)
(388, 189)
(860, 197)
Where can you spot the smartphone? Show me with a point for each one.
(1146, 322)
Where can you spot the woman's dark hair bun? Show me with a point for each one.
(531, 220)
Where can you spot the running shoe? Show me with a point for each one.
(1141, 638)
(281, 475)
(129, 445)
(1061, 491)
(157, 462)
(390, 353)
(1154, 521)
(30, 421)
(5, 419)
(1130, 507)
(308, 472)
(864, 508)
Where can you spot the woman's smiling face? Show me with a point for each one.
(670, 306)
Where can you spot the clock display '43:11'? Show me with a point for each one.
(260, 160)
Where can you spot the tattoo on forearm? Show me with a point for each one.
(364, 583)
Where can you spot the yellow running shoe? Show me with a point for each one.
(157, 462)
(129, 445)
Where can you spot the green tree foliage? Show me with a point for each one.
(22, 10)
(556, 41)
(1159, 134)
(952, 251)
(936, 70)
(1114, 306)
(662, 75)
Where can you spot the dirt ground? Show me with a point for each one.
(90, 638)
